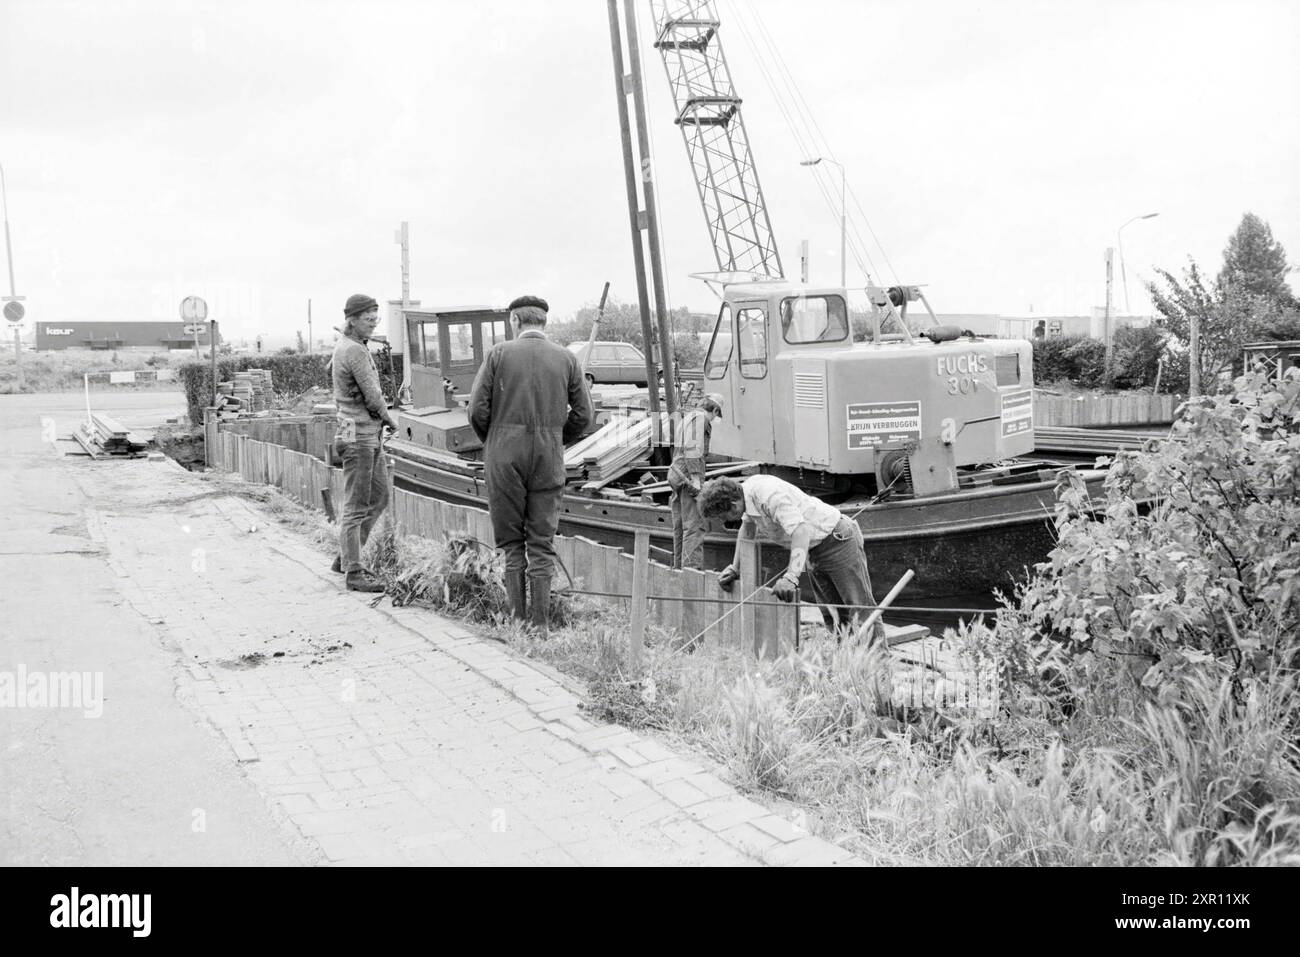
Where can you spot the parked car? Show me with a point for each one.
(612, 362)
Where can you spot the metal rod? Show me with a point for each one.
(595, 327)
(905, 609)
(652, 220)
(870, 623)
(634, 218)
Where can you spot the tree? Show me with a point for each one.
(1229, 317)
(1255, 263)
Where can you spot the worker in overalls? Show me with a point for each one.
(362, 413)
(686, 479)
(529, 399)
(820, 538)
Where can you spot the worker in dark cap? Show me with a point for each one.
(362, 414)
(686, 479)
(529, 400)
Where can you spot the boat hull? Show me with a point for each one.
(960, 544)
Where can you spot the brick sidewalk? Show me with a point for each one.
(393, 736)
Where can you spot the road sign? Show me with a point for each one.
(193, 308)
(14, 311)
(195, 329)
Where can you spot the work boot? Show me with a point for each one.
(539, 608)
(515, 594)
(337, 567)
(363, 581)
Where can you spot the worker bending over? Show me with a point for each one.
(686, 479)
(529, 399)
(819, 536)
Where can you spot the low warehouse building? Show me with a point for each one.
(114, 334)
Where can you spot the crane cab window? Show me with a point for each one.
(751, 334)
(719, 354)
(807, 319)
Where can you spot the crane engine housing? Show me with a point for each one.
(798, 392)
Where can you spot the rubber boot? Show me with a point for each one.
(363, 581)
(337, 566)
(539, 608)
(515, 594)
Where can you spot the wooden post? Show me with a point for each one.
(749, 570)
(1194, 356)
(640, 579)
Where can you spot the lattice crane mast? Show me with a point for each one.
(708, 113)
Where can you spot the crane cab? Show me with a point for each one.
(798, 392)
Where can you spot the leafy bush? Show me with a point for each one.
(290, 375)
(1080, 359)
(1138, 352)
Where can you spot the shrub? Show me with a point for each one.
(290, 375)
(1079, 359)
(1137, 354)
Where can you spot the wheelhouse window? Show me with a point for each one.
(719, 354)
(806, 319)
(460, 344)
(751, 331)
(425, 345)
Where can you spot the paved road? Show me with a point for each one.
(253, 712)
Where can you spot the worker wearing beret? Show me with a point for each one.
(362, 412)
(529, 399)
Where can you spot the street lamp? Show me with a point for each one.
(844, 275)
(1120, 241)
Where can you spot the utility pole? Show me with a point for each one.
(397, 336)
(651, 220)
(803, 261)
(13, 302)
(1110, 348)
(621, 85)
(309, 340)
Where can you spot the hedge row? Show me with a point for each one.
(1082, 359)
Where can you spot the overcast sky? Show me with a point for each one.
(264, 153)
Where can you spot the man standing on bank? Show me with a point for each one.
(362, 412)
(529, 400)
(818, 535)
(686, 479)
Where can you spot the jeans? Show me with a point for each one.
(365, 480)
(838, 570)
(688, 529)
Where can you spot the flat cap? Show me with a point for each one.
(358, 303)
(534, 301)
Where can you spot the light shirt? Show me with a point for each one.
(777, 509)
(693, 436)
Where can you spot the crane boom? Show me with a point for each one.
(708, 113)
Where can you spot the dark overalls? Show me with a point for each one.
(529, 399)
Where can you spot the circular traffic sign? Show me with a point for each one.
(14, 311)
(194, 309)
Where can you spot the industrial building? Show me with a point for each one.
(119, 334)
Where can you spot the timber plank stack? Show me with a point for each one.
(102, 436)
(609, 453)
